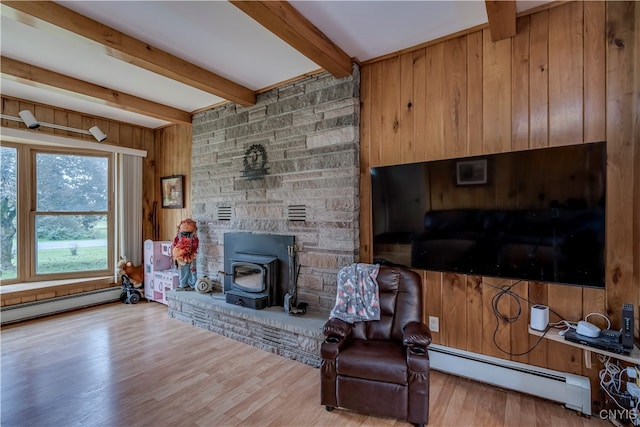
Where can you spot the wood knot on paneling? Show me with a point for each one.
(615, 277)
(396, 125)
(613, 40)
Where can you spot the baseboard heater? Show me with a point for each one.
(572, 390)
(32, 310)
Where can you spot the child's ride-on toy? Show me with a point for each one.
(129, 294)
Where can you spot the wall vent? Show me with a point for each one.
(224, 213)
(297, 213)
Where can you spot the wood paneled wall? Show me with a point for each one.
(168, 153)
(173, 158)
(567, 77)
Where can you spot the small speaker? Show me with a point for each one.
(627, 326)
(539, 317)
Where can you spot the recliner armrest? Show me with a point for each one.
(416, 334)
(337, 328)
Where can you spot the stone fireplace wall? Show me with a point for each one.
(293, 155)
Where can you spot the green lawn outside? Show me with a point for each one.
(60, 260)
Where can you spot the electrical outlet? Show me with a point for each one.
(434, 324)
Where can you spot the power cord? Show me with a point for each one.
(611, 383)
(508, 318)
(495, 301)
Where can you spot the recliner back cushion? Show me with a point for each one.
(400, 302)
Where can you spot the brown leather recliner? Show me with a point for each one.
(381, 367)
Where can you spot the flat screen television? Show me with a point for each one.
(536, 215)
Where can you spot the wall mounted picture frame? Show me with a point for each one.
(471, 172)
(172, 191)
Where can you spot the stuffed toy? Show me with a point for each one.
(135, 273)
(184, 249)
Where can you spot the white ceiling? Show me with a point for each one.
(218, 37)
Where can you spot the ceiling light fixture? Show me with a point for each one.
(29, 119)
(31, 122)
(97, 133)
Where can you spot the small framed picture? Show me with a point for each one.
(471, 172)
(172, 191)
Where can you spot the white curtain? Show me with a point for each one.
(129, 209)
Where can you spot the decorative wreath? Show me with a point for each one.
(255, 159)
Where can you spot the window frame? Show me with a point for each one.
(27, 213)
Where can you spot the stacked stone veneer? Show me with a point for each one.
(297, 338)
(310, 132)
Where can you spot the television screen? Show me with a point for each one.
(535, 215)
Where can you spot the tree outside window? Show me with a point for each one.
(8, 212)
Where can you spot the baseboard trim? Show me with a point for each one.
(46, 307)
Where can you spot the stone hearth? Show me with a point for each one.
(271, 329)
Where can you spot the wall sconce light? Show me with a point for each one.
(97, 133)
(29, 119)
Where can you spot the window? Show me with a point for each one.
(69, 226)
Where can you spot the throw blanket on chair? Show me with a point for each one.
(357, 299)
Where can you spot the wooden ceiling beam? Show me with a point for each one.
(286, 22)
(502, 18)
(39, 77)
(129, 49)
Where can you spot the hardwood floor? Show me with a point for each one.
(133, 365)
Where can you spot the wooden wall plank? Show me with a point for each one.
(46, 115)
(406, 119)
(566, 101)
(538, 295)
(390, 151)
(113, 133)
(375, 122)
(520, 86)
(60, 117)
(594, 72)
(520, 325)
(176, 160)
(621, 140)
(539, 80)
(474, 93)
(567, 302)
(366, 228)
(454, 299)
(74, 120)
(496, 334)
(593, 301)
(435, 79)
(455, 98)
(10, 107)
(474, 314)
(434, 301)
(419, 105)
(496, 95)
